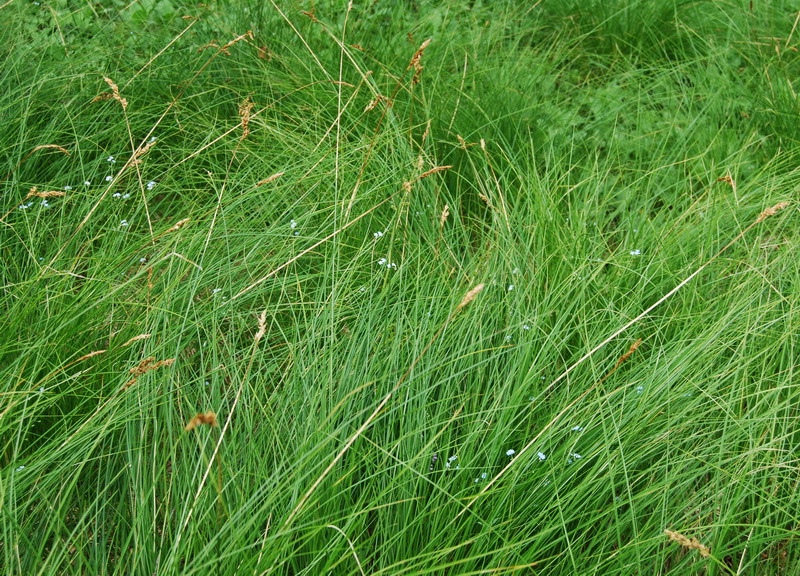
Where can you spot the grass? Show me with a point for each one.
(236, 341)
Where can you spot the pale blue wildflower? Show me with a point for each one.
(541, 455)
(510, 452)
(151, 185)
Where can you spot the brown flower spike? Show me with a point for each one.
(209, 418)
(690, 543)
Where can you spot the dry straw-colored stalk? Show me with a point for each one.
(224, 49)
(45, 146)
(690, 543)
(208, 419)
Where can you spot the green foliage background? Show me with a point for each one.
(598, 154)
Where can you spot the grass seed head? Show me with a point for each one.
(270, 179)
(244, 113)
(209, 419)
(771, 211)
(114, 94)
(470, 296)
(445, 214)
(690, 543)
(179, 224)
(136, 339)
(45, 194)
(90, 354)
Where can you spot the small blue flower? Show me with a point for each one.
(636, 252)
(510, 452)
(151, 185)
(111, 159)
(541, 455)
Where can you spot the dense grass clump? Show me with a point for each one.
(400, 287)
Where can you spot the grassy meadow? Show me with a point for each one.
(400, 287)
